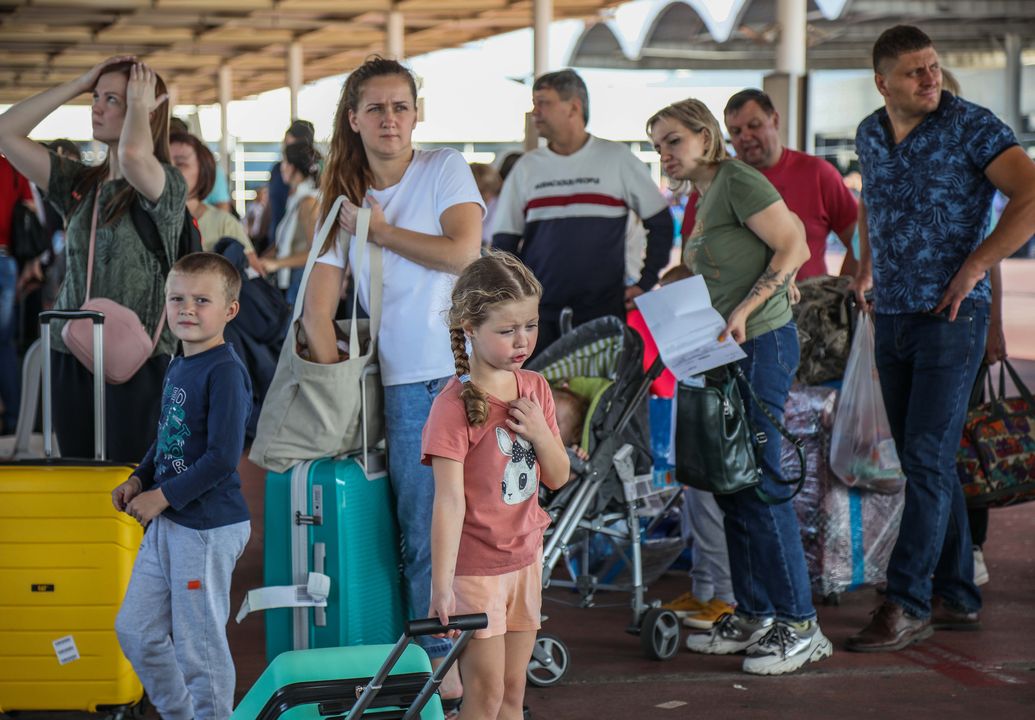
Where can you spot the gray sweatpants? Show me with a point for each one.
(710, 576)
(172, 623)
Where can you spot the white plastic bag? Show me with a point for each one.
(862, 451)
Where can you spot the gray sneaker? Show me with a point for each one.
(731, 635)
(785, 648)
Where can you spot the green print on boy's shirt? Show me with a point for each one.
(173, 431)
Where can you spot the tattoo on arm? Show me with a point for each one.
(771, 282)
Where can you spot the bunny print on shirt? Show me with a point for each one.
(519, 476)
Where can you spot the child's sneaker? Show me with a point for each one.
(685, 604)
(786, 647)
(706, 618)
(731, 635)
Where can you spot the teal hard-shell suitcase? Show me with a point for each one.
(332, 517)
(374, 681)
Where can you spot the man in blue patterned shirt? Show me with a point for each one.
(930, 164)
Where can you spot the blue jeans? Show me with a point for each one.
(767, 562)
(10, 372)
(406, 410)
(927, 366)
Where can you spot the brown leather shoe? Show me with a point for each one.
(945, 617)
(890, 629)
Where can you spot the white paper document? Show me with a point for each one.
(686, 328)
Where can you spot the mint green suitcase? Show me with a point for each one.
(336, 682)
(333, 517)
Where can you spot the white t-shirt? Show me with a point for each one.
(414, 337)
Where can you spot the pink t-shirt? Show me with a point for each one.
(815, 192)
(503, 526)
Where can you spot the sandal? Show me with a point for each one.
(451, 707)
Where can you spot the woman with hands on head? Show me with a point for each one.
(130, 114)
(748, 248)
(426, 215)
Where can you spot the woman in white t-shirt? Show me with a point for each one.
(426, 213)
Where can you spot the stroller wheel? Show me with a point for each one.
(550, 661)
(659, 634)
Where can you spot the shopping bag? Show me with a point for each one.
(315, 410)
(862, 451)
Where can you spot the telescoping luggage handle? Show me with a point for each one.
(98, 377)
(467, 624)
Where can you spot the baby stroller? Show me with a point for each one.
(611, 494)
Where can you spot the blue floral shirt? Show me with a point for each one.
(927, 200)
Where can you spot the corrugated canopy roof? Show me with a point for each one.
(46, 42)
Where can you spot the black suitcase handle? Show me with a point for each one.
(48, 315)
(431, 626)
(97, 320)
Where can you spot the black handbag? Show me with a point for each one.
(716, 448)
(28, 236)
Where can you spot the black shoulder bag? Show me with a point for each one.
(716, 448)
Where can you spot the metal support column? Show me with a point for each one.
(542, 16)
(225, 94)
(790, 60)
(396, 32)
(294, 67)
(1012, 96)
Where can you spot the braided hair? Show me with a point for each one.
(494, 278)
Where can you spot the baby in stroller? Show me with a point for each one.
(571, 409)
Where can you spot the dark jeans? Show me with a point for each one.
(927, 367)
(978, 519)
(767, 562)
(10, 370)
(131, 412)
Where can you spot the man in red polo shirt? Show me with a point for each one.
(811, 187)
(14, 188)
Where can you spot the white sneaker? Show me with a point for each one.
(731, 635)
(980, 569)
(786, 648)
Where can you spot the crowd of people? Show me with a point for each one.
(552, 230)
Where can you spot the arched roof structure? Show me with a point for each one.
(688, 34)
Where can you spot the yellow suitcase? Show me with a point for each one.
(65, 559)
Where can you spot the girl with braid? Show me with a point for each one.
(490, 439)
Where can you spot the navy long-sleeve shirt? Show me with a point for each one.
(206, 401)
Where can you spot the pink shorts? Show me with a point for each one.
(512, 601)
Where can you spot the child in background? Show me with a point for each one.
(490, 438)
(187, 494)
(571, 417)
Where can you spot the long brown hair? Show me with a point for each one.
(159, 121)
(494, 278)
(348, 170)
